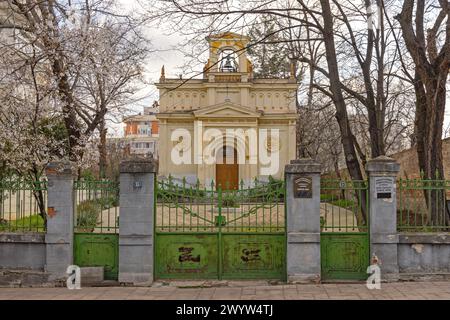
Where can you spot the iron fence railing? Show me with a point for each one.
(96, 206)
(23, 205)
(257, 207)
(344, 205)
(423, 205)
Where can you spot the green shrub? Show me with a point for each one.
(230, 202)
(108, 202)
(87, 175)
(322, 222)
(87, 213)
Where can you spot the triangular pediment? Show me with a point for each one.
(226, 110)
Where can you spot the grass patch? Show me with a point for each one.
(343, 203)
(332, 199)
(326, 197)
(30, 223)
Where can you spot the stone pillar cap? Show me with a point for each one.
(383, 164)
(138, 165)
(58, 168)
(303, 165)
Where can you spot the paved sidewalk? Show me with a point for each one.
(354, 291)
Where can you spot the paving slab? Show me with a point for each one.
(254, 291)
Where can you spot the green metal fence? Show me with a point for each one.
(259, 207)
(423, 205)
(23, 205)
(96, 206)
(344, 205)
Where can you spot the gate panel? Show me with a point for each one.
(98, 250)
(253, 256)
(344, 256)
(96, 225)
(344, 216)
(205, 233)
(186, 256)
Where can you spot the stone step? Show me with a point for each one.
(23, 278)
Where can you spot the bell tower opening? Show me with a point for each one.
(228, 61)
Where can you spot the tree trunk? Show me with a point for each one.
(102, 149)
(429, 124)
(38, 193)
(348, 145)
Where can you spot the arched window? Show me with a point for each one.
(228, 61)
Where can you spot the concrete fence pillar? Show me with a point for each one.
(60, 211)
(137, 190)
(382, 172)
(302, 179)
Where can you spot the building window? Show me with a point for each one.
(142, 145)
(145, 130)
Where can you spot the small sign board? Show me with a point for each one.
(384, 188)
(302, 187)
(137, 184)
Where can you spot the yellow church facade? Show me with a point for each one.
(227, 127)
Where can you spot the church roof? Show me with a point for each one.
(227, 35)
(227, 109)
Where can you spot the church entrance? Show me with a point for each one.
(227, 169)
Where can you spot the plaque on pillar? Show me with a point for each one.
(302, 186)
(384, 187)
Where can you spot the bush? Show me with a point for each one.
(230, 202)
(322, 222)
(87, 214)
(107, 202)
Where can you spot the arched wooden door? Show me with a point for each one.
(227, 172)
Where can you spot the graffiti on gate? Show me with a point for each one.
(186, 255)
(250, 255)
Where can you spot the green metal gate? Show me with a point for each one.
(344, 212)
(204, 233)
(96, 226)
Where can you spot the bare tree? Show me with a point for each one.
(426, 32)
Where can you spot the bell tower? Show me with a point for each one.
(228, 54)
(236, 106)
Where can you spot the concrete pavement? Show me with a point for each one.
(353, 291)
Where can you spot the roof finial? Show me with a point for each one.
(162, 78)
(292, 71)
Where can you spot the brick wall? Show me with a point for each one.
(409, 166)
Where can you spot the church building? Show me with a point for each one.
(228, 126)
